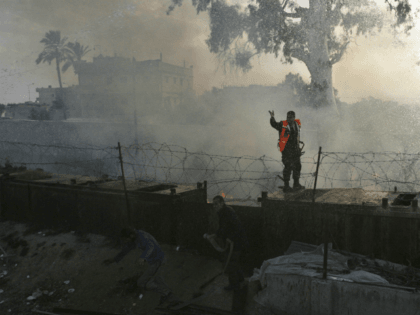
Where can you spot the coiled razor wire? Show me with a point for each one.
(380, 171)
(236, 177)
(61, 159)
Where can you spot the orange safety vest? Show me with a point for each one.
(283, 139)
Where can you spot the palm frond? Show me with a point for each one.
(51, 38)
(78, 50)
(67, 65)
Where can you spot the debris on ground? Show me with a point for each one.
(59, 271)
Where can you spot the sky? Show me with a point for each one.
(381, 66)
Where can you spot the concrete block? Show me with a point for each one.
(287, 293)
(301, 295)
(320, 297)
(353, 298)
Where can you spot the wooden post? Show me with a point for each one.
(316, 174)
(123, 178)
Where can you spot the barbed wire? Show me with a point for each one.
(363, 170)
(235, 177)
(63, 159)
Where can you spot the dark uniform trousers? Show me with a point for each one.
(291, 160)
(234, 268)
(152, 279)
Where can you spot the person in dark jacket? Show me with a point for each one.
(231, 230)
(152, 254)
(289, 138)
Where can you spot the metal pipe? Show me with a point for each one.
(316, 174)
(123, 178)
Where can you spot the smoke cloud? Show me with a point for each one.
(224, 121)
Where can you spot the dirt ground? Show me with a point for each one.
(64, 269)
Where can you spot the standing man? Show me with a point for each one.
(289, 137)
(230, 231)
(153, 254)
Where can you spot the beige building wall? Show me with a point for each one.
(23, 111)
(46, 95)
(120, 86)
(70, 96)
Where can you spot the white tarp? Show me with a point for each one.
(307, 264)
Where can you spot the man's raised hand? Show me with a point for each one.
(271, 113)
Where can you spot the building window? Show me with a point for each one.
(108, 80)
(174, 80)
(52, 95)
(123, 79)
(181, 81)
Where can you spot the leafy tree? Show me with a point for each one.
(402, 9)
(302, 92)
(77, 52)
(318, 36)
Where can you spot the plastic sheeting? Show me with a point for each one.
(308, 264)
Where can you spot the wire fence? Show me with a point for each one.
(380, 171)
(239, 178)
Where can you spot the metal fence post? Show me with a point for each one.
(316, 173)
(123, 178)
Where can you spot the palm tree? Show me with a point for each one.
(77, 53)
(55, 48)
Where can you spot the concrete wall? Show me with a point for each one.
(179, 219)
(92, 210)
(182, 219)
(301, 295)
(390, 235)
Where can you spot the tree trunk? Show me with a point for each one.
(58, 72)
(318, 63)
(61, 88)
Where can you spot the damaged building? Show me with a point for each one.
(117, 87)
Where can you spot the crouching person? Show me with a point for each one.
(151, 253)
